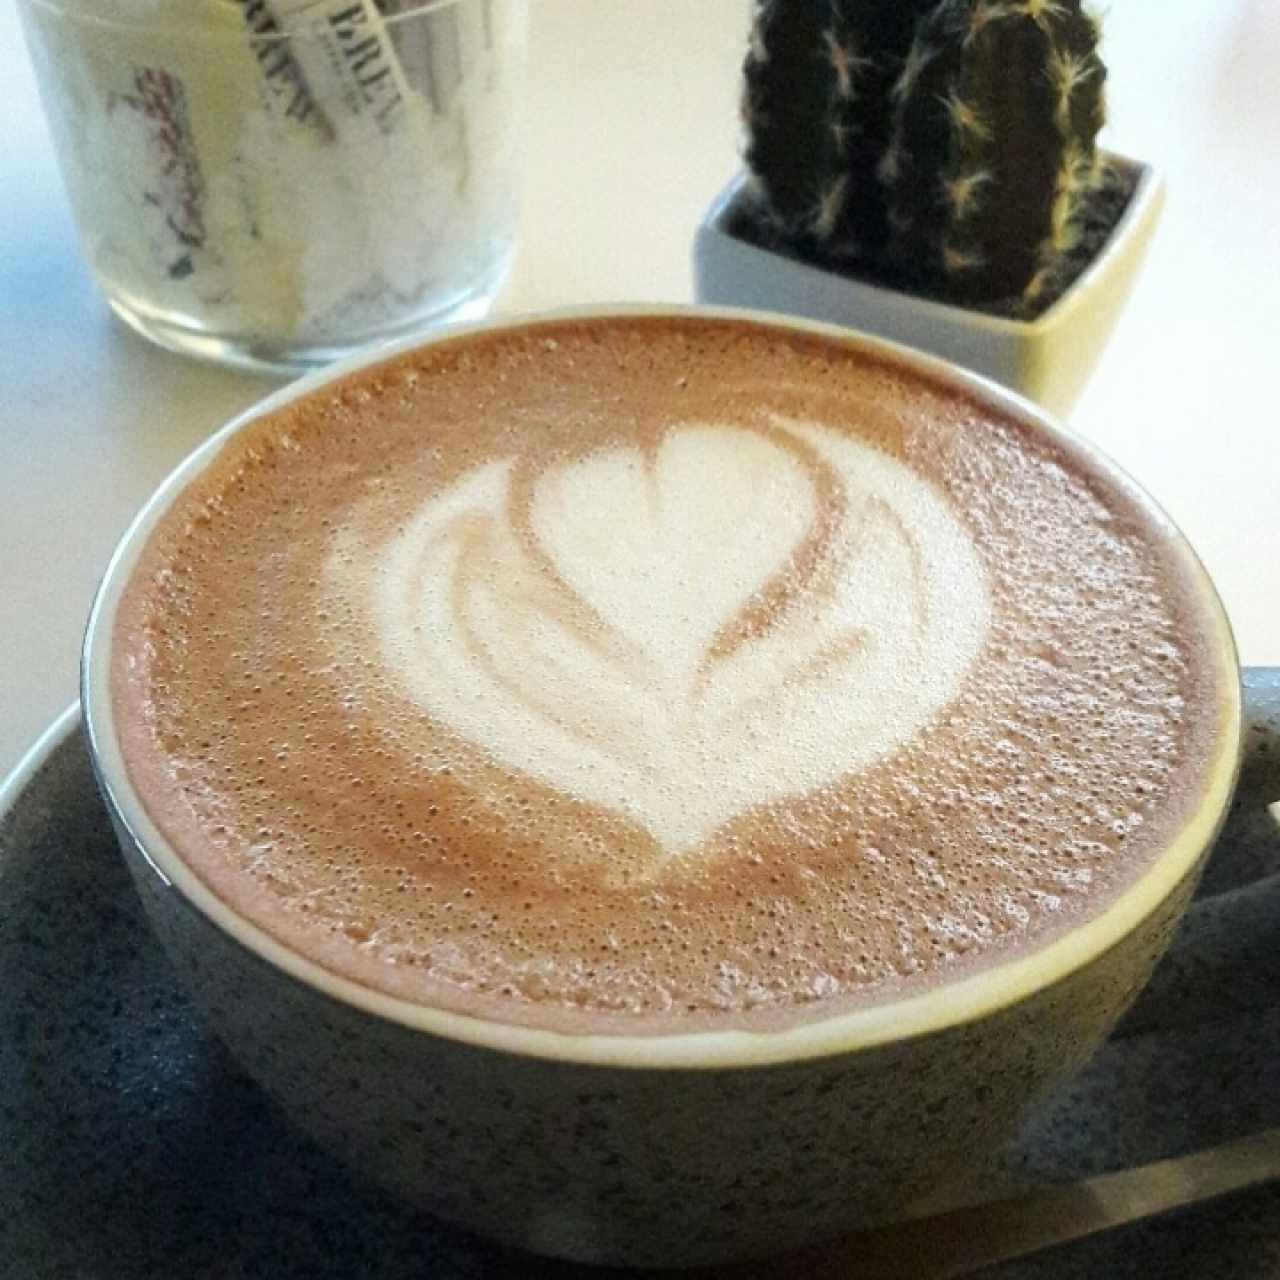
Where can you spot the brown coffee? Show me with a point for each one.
(648, 674)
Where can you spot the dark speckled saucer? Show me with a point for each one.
(130, 1146)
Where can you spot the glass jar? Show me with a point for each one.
(274, 183)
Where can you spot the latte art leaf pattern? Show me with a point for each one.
(738, 615)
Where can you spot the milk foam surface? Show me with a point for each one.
(645, 673)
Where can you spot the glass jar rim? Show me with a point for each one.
(230, 19)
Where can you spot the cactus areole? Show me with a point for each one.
(945, 145)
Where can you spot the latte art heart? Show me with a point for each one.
(741, 615)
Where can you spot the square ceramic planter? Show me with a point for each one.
(1047, 359)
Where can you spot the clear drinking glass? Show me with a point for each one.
(273, 183)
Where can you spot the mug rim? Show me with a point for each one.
(949, 1004)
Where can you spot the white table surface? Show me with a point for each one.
(632, 128)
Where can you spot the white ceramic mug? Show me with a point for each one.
(670, 1149)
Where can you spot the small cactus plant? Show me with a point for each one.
(949, 143)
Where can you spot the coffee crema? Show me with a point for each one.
(654, 674)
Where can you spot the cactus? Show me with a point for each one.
(992, 153)
(818, 114)
(950, 143)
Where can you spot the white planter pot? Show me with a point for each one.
(1047, 359)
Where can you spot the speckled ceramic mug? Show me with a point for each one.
(659, 1150)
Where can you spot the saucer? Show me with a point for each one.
(132, 1147)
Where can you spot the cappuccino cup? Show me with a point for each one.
(659, 786)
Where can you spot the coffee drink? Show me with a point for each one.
(657, 673)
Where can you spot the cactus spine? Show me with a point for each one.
(952, 141)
